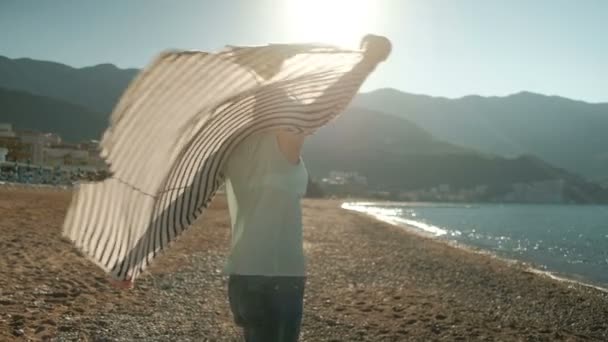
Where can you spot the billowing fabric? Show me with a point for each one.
(264, 190)
(176, 125)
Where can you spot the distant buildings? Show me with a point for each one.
(345, 178)
(344, 183)
(48, 149)
(549, 191)
(6, 131)
(36, 143)
(444, 193)
(349, 183)
(3, 153)
(16, 150)
(65, 155)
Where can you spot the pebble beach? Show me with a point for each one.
(368, 281)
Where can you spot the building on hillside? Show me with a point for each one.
(17, 151)
(345, 177)
(344, 183)
(443, 188)
(95, 160)
(443, 193)
(3, 153)
(6, 130)
(25, 146)
(65, 155)
(48, 150)
(36, 142)
(549, 191)
(9, 142)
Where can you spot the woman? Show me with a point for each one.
(266, 178)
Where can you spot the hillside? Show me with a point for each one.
(396, 154)
(570, 134)
(33, 112)
(406, 150)
(97, 88)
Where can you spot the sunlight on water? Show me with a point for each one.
(567, 239)
(393, 216)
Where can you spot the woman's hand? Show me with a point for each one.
(377, 48)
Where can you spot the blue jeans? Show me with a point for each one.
(267, 308)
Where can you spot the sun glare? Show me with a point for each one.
(336, 22)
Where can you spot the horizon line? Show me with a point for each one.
(387, 88)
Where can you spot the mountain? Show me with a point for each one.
(97, 88)
(33, 112)
(566, 133)
(397, 154)
(394, 154)
(570, 134)
(403, 151)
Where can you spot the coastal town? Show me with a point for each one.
(33, 157)
(346, 184)
(44, 158)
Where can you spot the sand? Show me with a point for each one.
(368, 281)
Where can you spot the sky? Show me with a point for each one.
(440, 48)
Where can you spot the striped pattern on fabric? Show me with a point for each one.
(174, 128)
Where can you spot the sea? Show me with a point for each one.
(566, 241)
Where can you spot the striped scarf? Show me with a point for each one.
(175, 127)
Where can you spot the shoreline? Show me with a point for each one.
(421, 231)
(366, 281)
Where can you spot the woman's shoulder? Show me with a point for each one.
(252, 145)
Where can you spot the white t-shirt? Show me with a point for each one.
(264, 191)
